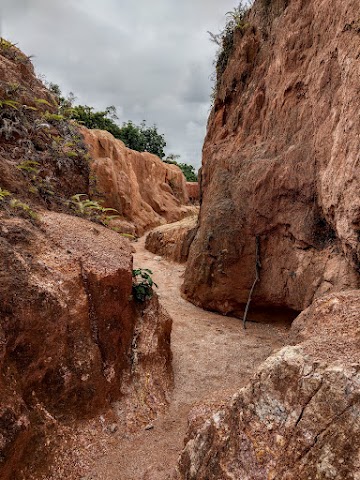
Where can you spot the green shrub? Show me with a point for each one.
(142, 286)
(3, 194)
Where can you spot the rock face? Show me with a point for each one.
(193, 191)
(68, 330)
(299, 417)
(72, 339)
(173, 240)
(281, 162)
(143, 189)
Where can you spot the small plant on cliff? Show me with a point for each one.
(29, 166)
(10, 51)
(235, 21)
(4, 194)
(142, 286)
(188, 170)
(9, 103)
(23, 209)
(92, 209)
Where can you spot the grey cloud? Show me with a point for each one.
(152, 60)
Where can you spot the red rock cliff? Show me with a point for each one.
(281, 161)
(144, 190)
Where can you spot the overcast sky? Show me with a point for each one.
(151, 59)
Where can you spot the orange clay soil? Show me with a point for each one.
(212, 358)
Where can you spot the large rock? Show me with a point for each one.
(173, 240)
(193, 191)
(299, 418)
(70, 330)
(142, 188)
(281, 162)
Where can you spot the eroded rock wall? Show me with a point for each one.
(193, 191)
(72, 339)
(144, 190)
(299, 416)
(68, 325)
(281, 162)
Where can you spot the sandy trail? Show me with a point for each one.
(213, 357)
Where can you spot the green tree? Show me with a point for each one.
(141, 138)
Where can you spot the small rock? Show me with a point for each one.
(112, 428)
(149, 427)
(158, 259)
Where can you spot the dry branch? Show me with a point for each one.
(257, 277)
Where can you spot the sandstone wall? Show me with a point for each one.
(144, 190)
(72, 340)
(281, 162)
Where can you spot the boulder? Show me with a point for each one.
(299, 417)
(173, 240)
(68, 324)
(193, 191)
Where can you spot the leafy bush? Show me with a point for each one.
(142, 286)
(137, 137)
(92, 209)
(143, 138)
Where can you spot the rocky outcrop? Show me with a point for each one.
(299, 416)
(143, 189)
(281, 162)
(173, 240)
(43, 160)
(70, 331)
(193, 191)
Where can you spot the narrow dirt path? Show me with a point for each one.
(213, 357)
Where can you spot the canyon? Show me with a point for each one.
(97, 385)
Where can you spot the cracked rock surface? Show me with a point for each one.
(299, 417)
